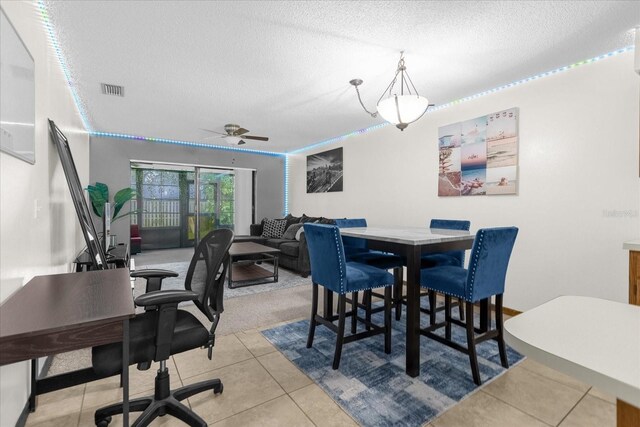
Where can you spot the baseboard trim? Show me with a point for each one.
(510, 311)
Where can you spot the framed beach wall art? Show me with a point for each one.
(325, 171)
(18, 100)
(479, 156)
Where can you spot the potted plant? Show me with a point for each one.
(99, 195)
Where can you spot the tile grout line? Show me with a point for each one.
(552, 379)
(518, 409)
(285, 392)
(541, 376)
(572, 408)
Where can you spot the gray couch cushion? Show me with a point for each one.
(290, 248)
(275, 243)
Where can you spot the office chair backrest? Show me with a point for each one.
(326, 253)
(489, 260)
(452, 224)
(354, 242)
(208, 270)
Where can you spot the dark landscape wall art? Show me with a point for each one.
(479, 156)
(324, 171)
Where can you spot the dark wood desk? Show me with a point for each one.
(412, 243)
(64, 312)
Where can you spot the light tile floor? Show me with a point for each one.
(263, 388)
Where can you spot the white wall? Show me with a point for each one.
(45, 243)
(578, 159)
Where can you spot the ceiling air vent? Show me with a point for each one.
(115, 90)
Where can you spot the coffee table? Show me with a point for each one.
(246, 260)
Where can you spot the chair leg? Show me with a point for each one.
(193, 389)
(354, 310)
(461, 308)
(447, 316)
(471, 344)
(184, 414)
(342, 307)
(397, 291)
(136, 405)
(368, 303)
(387, 320)
(432, 307)
(314, 313)
(500, 328)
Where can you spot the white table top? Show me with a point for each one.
(631, 245)
(407, 235)
(594, 340)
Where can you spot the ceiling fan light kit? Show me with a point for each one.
(401, 108)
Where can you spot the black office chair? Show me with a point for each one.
(166, 330)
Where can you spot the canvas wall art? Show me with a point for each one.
(479, 156)
(324, 171)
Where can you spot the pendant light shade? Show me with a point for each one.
(401, 106)
(403, 109)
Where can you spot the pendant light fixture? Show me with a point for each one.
(399, 104)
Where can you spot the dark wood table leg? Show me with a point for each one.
(413, 311)
(125, 372)
(34, 385)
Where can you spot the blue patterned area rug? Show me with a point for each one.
(373, 387)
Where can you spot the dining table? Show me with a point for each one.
(594, 340)
(411, 243)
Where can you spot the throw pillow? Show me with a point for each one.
(328, 221)
(299, 232)
(273, 228)
(292, 219)
(290, 234)
(309, 218)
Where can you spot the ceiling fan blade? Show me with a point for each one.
(212, 131)
(240, 131)
(241, 142)
(257, 138)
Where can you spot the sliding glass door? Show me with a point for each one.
(213, 204)
(177, 205)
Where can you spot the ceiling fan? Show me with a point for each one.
(236, 134)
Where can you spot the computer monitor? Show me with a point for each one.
(96, 250)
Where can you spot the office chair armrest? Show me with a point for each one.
(154, 273)
(165, 297)
(154, 277)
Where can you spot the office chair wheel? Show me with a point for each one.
(103, 422)
(218, 390)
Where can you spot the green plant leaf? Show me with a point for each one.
(97, 197)
(121, 197)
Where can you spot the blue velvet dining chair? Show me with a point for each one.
(484, 279)
(444, 258)
(357, 250)
(330, 269)
(438, 259)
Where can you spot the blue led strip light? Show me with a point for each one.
(536, 77)
(340, 138)
(186, 143)
(469, 98)
(286, 185)
(46, 21)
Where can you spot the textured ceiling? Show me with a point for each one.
(281, 69)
